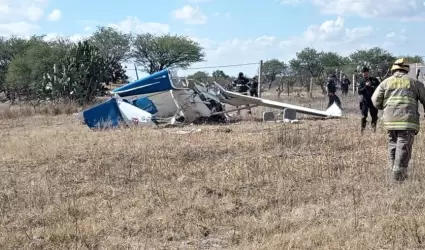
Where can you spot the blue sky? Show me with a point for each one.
(234, 31)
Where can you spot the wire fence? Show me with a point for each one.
(225, 66)
(354, 68)
(351, 70)
(218, 67)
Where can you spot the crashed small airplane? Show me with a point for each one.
(194, 102)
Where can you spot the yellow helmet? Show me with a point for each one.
(402, 64)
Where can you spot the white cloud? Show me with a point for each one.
(397, 35)
(17, 10)
(4, 9)
(34, 13)
(199, 1)
(358, 33)
(78, 37)
(328, 30)
(128, 25)
(266, 41)
(331, 35)
(396, 39)
(334, 30)
(55, 15)
(405, 10)
(73, 38)
(23, 29)
(390, 35)
(18, 17)
(134, 25)
(190, 15)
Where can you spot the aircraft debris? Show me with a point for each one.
(194, 101)
(185, 132)
(269, 116)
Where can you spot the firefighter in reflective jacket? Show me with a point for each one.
(398, 97)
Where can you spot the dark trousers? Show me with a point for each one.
(367, 107)
(253, 92)
(344, 89)
(334, 98)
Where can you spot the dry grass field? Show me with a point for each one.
(251, 185)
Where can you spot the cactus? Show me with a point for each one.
(82, 74)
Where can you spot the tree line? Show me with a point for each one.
(310, 63)
(35, 70)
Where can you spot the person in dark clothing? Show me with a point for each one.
(254, 87)
(345, 84)
(367, 86)
(241, 86)
(331, 89)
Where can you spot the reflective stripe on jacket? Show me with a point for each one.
(398, 96)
